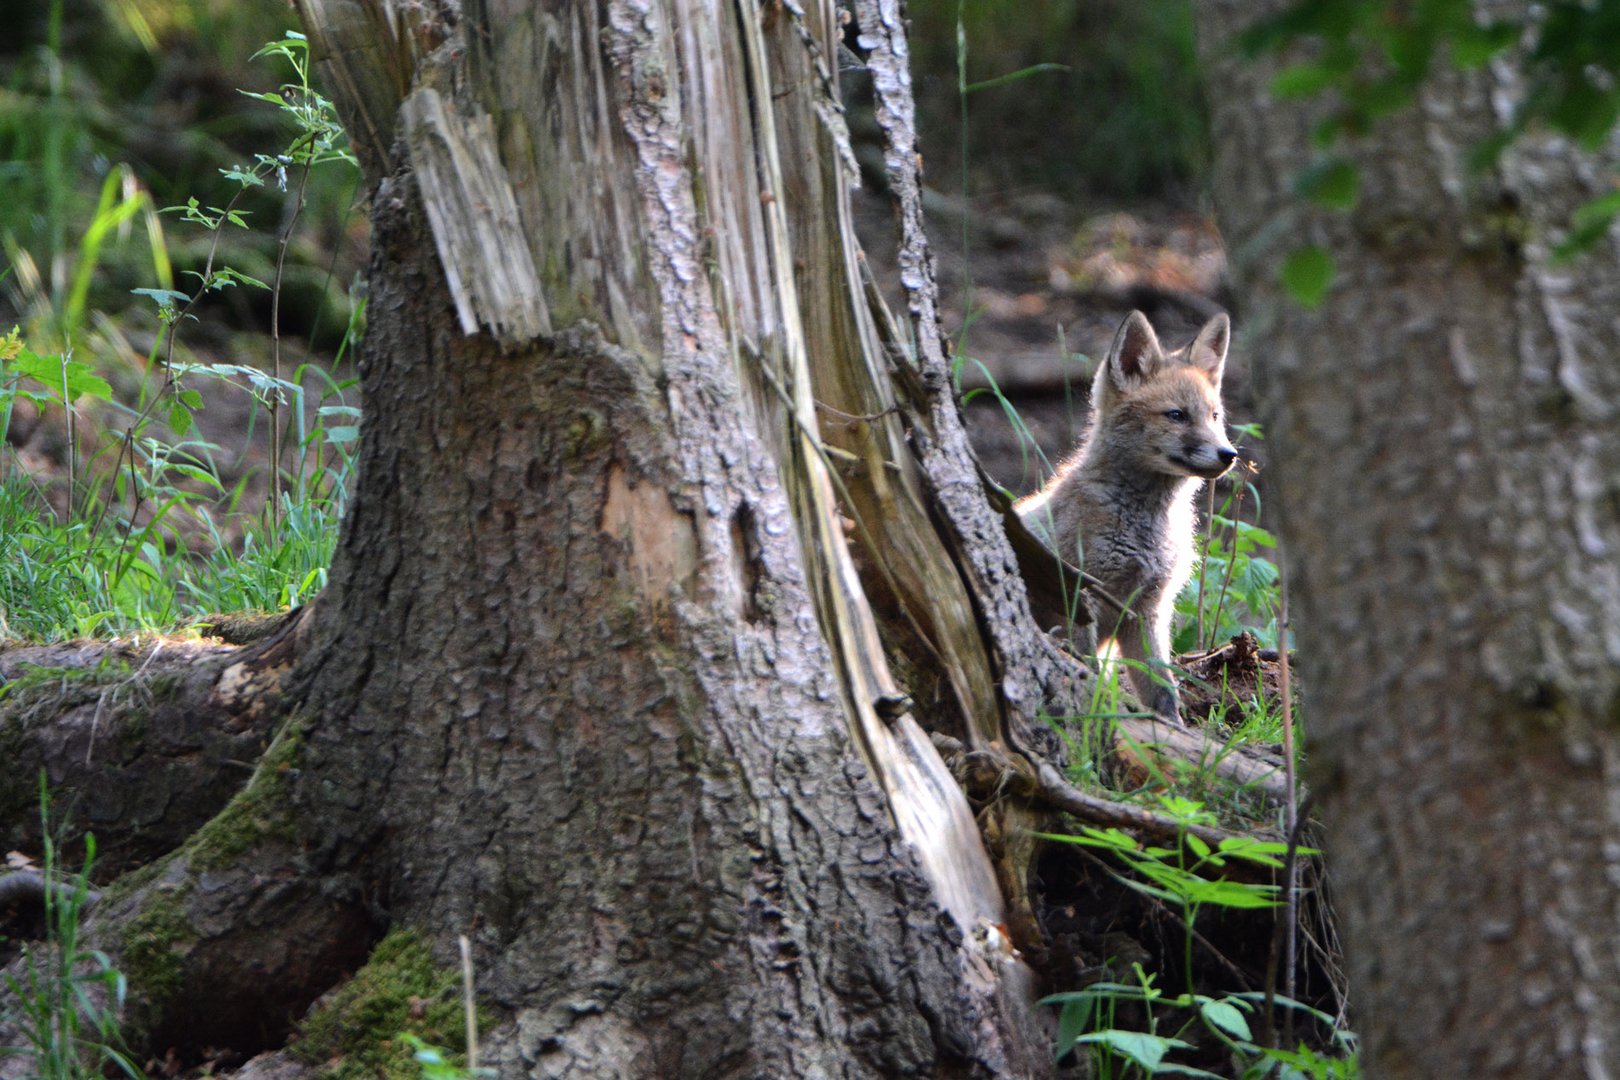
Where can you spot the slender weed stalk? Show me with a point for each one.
(67, 995)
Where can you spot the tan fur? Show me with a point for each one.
(1121, 507)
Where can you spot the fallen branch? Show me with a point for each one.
(1059, 794)
(988, 774)
(1148, 741)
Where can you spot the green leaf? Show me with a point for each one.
(1589, 224)
(1226, 1016)
(341, 433)
(164, 297)
(1074, 1021)
(1186, 811)
(1110, 839)
(1307, 274)
(1147, 1051)
(179, 419)
(1584, 111)
(244, 176)
(227, 276)
(1255, 534)
(1334, 183)
(67, 381)
(1014, 76)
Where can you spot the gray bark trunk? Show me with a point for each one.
(597, 680)
(1445, 437)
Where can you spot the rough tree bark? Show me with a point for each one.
(597, 680)
(1445, 433)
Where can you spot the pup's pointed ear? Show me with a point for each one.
(1136, 353)
(1208, 350)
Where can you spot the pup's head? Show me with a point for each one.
(1166, 410)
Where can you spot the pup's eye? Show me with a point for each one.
(1176, 416)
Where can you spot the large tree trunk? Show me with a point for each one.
(597, 681)
(1445, 438)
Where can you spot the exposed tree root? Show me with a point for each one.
(142, 740)
(228, 937)
(225, 942)
(158, 745)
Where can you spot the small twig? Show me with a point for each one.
(1285, 938)
(1284, 928)
(1292, 816)
(469, 1005)
(854, 418)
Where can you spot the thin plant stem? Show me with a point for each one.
(1286, 934)
(1203, 564)
(275, 344)
(1231, 563)
(72, 432)
(167, 336)
(1291, 806)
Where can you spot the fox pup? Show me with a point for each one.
(1121, 506)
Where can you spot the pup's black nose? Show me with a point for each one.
(1227, 455)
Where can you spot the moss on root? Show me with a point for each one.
(259, 811)
(154, 942)
(355, 1029)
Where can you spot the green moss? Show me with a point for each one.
(355, 1030)
(127, 885)
(153, 941)
(258, 812)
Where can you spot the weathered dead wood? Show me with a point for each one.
(1035, 676)
(469, 202)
